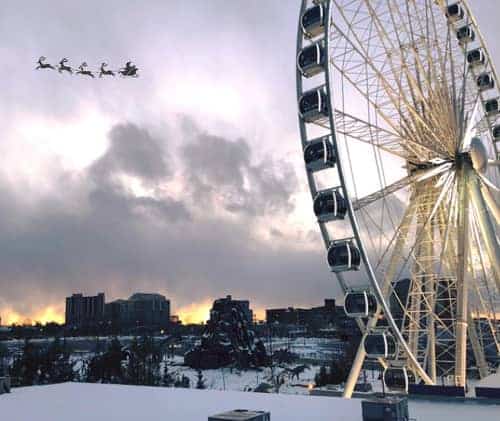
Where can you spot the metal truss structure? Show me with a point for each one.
(401, 100)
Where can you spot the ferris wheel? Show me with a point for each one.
(399, 114)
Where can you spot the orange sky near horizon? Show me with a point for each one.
(190, 314)
(193, 313)
(43, 316)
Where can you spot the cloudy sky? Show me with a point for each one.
(186, 181)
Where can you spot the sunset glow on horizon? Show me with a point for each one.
(49, 314)
(193, 313)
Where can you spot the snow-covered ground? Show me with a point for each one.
(243, 380)
(97, 402)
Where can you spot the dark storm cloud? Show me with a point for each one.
(222, 168)
(133, 151)
(93, 234)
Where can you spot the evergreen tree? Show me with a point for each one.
(182, 381)
(200, 383)
(55, 364)
(107, 367)
(321, 377)
(338, 372)
(144, 362)
(25, 368)
(113, 362)
(4, 359)
(167, 380)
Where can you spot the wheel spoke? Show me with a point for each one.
(365, 132)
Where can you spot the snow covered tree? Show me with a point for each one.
(144, 361)
(25, 368)
(108, 366)
(227, 340)
(200, 383)
(182, 381)
(55, 363)
(321, 378)
(4, 359)
(167, 380)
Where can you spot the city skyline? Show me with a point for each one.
(194, 313)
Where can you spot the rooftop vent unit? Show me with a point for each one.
(242, 415)
(387, 409)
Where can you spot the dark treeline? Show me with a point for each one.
(142, 362)
(50, 330)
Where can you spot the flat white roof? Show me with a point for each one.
(493, 380)
(98, 402)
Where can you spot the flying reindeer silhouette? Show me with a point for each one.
(105, 72)
(83, 70)
(62, 66)
(42, 65)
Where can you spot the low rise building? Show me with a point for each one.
(316, 317)
(140, 310)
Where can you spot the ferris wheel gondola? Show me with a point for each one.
(396, 379)
(360, 304)
(485, 81)
(380, 345)
(313, 105)
(330, 205)
(313, 21)
(311, 60)
(400, 102)
(319, 154)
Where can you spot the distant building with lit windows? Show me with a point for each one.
(141, 310)
(84, 310)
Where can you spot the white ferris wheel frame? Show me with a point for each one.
(470, 189)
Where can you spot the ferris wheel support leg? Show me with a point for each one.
(357, 365)
(491, 202)
(486, 227)
(462, 290)
(391, 271)
(477, 349)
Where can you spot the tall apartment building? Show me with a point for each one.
(84, 311)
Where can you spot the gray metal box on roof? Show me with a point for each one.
(385, 409)
(242, 415)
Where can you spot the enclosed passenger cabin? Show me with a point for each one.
(380, 344)
(491, 107)
(313, 21)
(311, 60)
(476, 57)
(396, 379)
(343, 255)
(330, 205)
(496, 133)
(455, 12)
(360, 304)
(485, 81)
(313, 105)
(466, 34)
(319, 154)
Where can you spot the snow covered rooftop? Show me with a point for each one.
(84, 402)
(493, 380)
